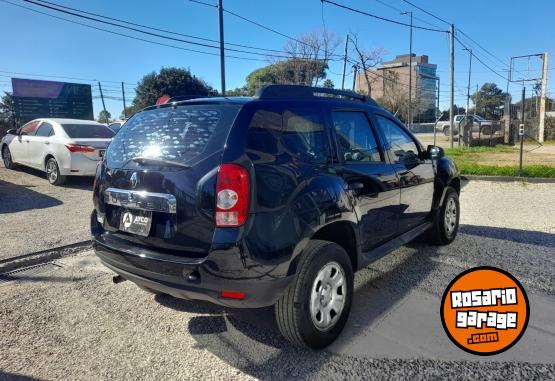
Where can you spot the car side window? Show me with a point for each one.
(29, 128)
(355, 139)
(45, 130)
(400, 145)
(303, 134)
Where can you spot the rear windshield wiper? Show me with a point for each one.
(162, 162)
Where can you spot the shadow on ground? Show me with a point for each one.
(17, 198)
(4, 376)
(249, 340)
(75, 182)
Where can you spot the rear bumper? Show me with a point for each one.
(79, 165)
(193, 279)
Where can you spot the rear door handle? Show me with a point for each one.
(46, 142)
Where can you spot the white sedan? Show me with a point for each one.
(59, 147)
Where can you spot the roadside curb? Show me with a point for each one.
(507, 179)
(42, 256)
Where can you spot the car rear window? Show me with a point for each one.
(184, 134)
(91, 131)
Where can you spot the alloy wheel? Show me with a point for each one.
(51, 171)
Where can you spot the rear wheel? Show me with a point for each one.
(53, 172)
(7, 158)
(315, 308)
(445, 224)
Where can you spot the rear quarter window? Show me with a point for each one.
(295, 132)
(184, 134)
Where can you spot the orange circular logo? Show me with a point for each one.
(485, 310)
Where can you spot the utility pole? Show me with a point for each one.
(477, 97)
(124, 106)
(103, 105)
(542, 99)
(409, 116)
(222, 50)
(452, 90)
(467, 94)
(521, 130)
(355, 69)
(507, 112)
(468, 87)
(344, 63)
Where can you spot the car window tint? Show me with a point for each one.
(45, 129)
(295, 132)
(79, 131)
(304, 135)
(399, 144)
(29, 128)
(186, 134)
(355, 139)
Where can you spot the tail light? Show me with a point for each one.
(79, 148)
(232, 195)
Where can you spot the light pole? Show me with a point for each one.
(409, 116)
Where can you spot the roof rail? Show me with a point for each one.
(301, 91)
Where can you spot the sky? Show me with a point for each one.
(51, 48)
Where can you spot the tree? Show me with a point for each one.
(104, 117)
(289, 71)
(169, 81)
(309, 55)
(489, 100)
(7, 113)
(328, 84)
(366, 59)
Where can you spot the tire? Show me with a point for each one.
(316, 283)
(439, 233)
(446, 131)
(53, 172)
(7, 158)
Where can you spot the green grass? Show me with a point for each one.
(467, 160)
(493, 170)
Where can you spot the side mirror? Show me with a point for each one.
(11, 131)
(435, 152)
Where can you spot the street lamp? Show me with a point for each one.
(409, 116)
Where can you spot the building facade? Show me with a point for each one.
(389, 83)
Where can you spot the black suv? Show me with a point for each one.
(272, 200)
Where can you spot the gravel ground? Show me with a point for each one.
(38, 216)
(73, 323)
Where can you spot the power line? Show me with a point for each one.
(158, 29)
(131, 37)
(479, 60)
(383, 18)
(201, 44)
(401, 11)
(426, 12)
(339, 57)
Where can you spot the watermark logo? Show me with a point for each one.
(485, 311)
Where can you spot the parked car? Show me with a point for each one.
(272, 200)
(116, 125)
(479, 125)
(60, 147)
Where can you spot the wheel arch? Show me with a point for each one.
(343, 233)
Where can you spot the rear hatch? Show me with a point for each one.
(160, 171)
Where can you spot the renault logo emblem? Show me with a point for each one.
(133, 179)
